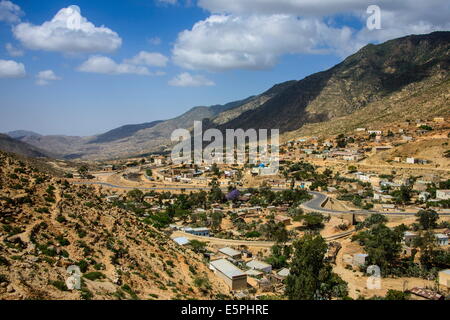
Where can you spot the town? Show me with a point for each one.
(243, 218)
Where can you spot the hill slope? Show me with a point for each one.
(9, 144)
(47, 225)
(373, 73)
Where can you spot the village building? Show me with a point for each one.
(259, 265)
(444, 278)
(203, 232)
(283, 219)
(408, 238)
(254, 273)
(443, 194)
(359, 259)
(283, 272)
(439, 119)
(182, 241)
(441, 239)
(234, 277)
(229, 252)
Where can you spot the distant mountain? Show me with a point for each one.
(373, 73)
(22, 133)
(8, 144)
(351, 93)
(123, 132)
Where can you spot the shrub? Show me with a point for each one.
(130, 291)
(59, 285)
(94, 276)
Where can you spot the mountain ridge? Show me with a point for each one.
(371, 75)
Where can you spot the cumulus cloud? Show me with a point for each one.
(43, 78)
(223, 42)
(188, 80)
(13, 51)
(323, 7)
(11, 69)
(10, 12)
(152, 59)
(67, 32)
(254, 34)
(105, 65)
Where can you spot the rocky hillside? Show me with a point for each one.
(368, 76)
(47, 225)
(9, 144)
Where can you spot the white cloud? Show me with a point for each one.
(152, 59)
(13, 51)
(324, 7)
(187, 80)
(10, 12)
(11, 69)
(43, 78)
(254, 34)
(105, 65)
(67, 32)
(223, 42)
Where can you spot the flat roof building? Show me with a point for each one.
(259, 265)
(234, 277)
(444, 278)
(203, 232)
(441, 239)
(230, 252)
(181, 241)
(443, 194)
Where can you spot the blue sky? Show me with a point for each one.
(57, 78)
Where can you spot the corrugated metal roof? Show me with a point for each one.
(256, 264)
(229, 251)
(284, 272)
(181, 241)
(227, 268)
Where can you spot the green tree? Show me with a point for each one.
(403, 195)
(279, 256)
(216, 218)
(311, 277)
(83, 171)
(382, 244)
(396, 295)
(197, 246)
(136, 195)
(427, 219)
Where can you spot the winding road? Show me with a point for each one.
(319, 199)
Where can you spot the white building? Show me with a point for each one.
(443, 194)
(234, 277)
(230, 252)
(441, 239)
(259, 265)
(359, 259)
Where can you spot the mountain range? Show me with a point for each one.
(400, 79)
